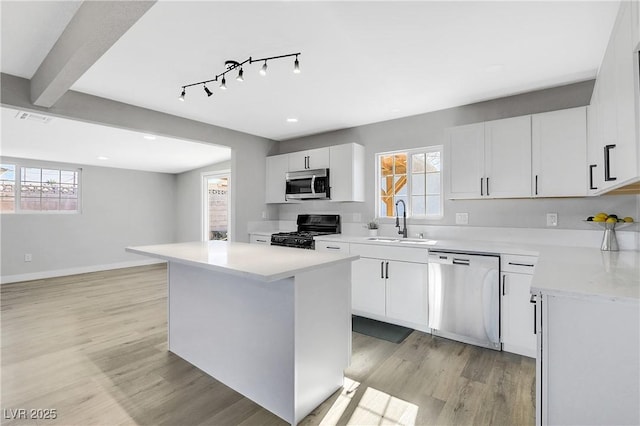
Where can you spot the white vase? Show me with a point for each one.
(373, 232)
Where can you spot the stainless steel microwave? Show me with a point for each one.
(308, 185)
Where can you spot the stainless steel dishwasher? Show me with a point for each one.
(464, 297)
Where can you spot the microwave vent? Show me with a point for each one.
(39, 118)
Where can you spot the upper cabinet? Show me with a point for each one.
(345, 164)
(539, 155)
(507, 157)
(346, 174)
(490, 160)
(559, 153)
(309, 159)
(613, 155)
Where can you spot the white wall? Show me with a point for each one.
(429, 129)
(119, 208)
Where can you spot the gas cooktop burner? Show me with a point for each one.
(309, 226)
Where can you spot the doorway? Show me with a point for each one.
(216, 191)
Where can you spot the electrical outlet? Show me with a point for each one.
(28, 257)
(462, 218)
(552, 219)
(264, 215)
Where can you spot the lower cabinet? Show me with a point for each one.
(390, 290)
(517, 313)
(587, 369)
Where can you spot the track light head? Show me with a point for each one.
(240, 76)
(207, 91)
(184, 92)
(296, 66)
(263, 70)
(223, 85)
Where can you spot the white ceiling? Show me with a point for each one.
(76, 142)
(362, 62)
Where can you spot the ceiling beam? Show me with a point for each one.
(95, 27)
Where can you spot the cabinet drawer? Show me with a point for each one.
(259, 239)
(333, 246)
(404, 254)
(519, 264)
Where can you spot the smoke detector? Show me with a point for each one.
(30, 116)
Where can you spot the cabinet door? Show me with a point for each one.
(346, 175)
(465, 145)
(624, 165)
(559, 153)
(318, 158)
(277, 167)
(507, 152)
(368, 286)
(517, 319)
(407, 292)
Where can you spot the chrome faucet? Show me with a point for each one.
(402, 231)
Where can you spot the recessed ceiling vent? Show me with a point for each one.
(30, 116)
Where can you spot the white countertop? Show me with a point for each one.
(262, 262)
(560, 270)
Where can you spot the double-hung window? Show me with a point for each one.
(413, 176)
(26, 189)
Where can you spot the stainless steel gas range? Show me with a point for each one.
(309, 226)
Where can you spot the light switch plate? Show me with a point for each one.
(462, 218)
(552, 219)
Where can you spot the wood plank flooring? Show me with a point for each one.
(93, 347)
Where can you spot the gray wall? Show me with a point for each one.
(429, 129)
(119, 208)
(248, 152)
(189, 202)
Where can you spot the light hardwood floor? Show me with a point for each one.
(93, 347)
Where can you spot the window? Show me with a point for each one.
(25, 189)
(413, 176)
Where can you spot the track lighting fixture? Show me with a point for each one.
(232, 65)
(296, 66)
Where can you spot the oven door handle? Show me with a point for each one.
(313, 184)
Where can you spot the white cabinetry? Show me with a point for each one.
(491, 159)
(559, 153)
(517, 319)
(260, 238)
(613, 154)
(275, 188)
(332, 246)
(466, 165)
(346, 171)
(309, 159)
(346, 174)
(587, 369)
(390, 284)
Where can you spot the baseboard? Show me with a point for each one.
(7, 279)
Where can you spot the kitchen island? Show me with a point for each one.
(272, 323)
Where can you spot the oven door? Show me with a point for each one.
(308, 184)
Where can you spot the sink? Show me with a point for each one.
(385, 239)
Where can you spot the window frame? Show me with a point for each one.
(19, 165)
(409, 153)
